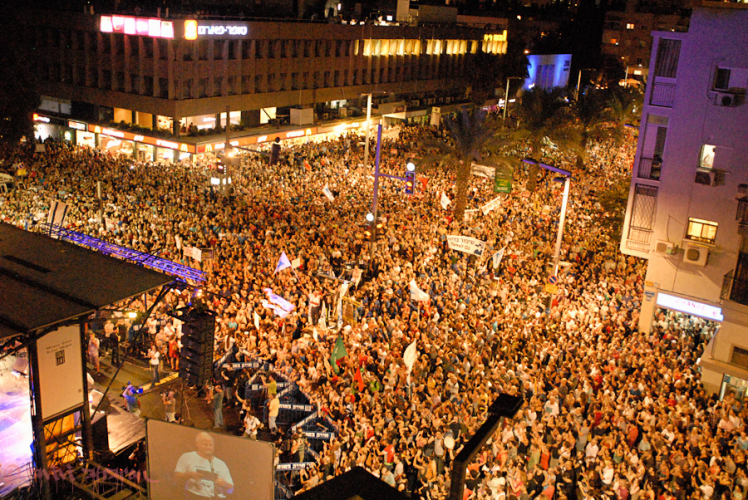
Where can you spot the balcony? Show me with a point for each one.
(734, 290)
(639, 239)
(663, 93)
(649, 168)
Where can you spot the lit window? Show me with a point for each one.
(629, 26)
(614, 41)
(707, 156)
(701, 230)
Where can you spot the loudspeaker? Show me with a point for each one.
(196, 357)
(100, 433)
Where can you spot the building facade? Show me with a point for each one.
(688, 204)
(626, 34)
(178, 74)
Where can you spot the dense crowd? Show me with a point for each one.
(610, 412)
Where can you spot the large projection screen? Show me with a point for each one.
(184, 460)
(60, 371)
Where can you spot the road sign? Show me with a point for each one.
(552, 279)
(552, 289)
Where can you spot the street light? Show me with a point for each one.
(565, 177)
(579, 81)
(506, 93)
(368, 128)
(410, 166)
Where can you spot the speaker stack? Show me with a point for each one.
(196, 357)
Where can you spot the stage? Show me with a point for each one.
(16, 435)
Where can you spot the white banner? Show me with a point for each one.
(483, 171)
(466, 244)
(60, 375)
(491, 205)
(416, 293)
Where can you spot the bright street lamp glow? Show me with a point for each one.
(410, 166)
(370, 217)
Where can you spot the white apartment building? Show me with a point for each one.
(688, 205)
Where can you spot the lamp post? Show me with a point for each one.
(561, 222)
(579, 81)
(368, 128)
(565, 176)
(506, 93)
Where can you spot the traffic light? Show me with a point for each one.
(410, 182)
(220, 166)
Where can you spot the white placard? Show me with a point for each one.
(466, 244)
(483, 171)
(60, 371)
(491, 205)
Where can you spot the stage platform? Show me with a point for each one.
(15, 428)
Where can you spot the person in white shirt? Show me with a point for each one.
(203, 475)
(154, 355)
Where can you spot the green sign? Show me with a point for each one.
(502, 186)
(502, 182)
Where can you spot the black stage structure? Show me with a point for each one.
(48, 288)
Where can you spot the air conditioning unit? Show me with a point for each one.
(727, 99)
(665, 248)
(695, 254)
(325, 116)
(706, 177)
(415, 104)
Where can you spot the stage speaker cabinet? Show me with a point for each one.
(100, 433)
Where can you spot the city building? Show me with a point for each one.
(626, 34)
(688, 204)
(547, 71)
(124, 77)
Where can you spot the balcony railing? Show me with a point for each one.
(649, 168)
(734, 290)
(663, 94)
(639, 239)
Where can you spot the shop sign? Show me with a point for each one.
(194, 29)
(141, 26)
(40, 118)
(690, 307)
(76, 125)
(128, 136)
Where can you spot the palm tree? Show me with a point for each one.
(469, 135)
(546, 116)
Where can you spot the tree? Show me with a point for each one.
(546, 116)
(468, 138)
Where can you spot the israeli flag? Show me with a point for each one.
(278, 304)
(283, 263)
(497, 258)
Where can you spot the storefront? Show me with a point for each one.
(733, 387)
(141, 147)
(686, 315)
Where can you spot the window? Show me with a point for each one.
(721, 79)
(642, 217)
(706, 158)
(739, 357)
(668, 52)
(701, 230)
(614, 41)
(629, 26)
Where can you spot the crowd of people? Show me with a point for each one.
(610, 412)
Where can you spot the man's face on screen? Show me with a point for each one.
(204, 445)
